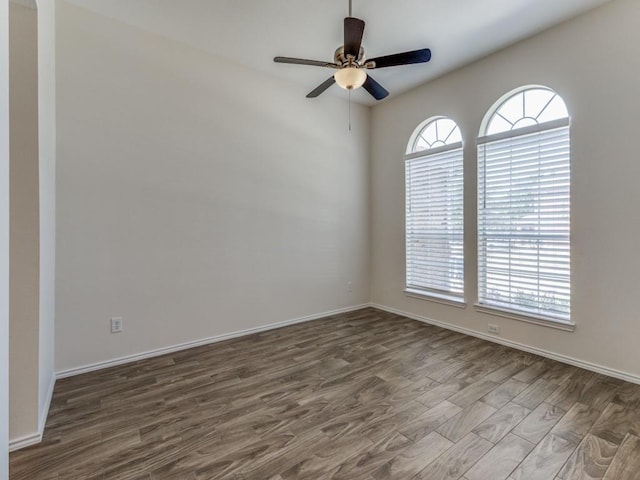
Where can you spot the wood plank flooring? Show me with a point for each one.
(361, 396)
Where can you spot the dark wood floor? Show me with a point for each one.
(361, 396)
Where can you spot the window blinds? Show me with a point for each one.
(524, 223)
(434, 222)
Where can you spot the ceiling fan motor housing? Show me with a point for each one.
(340, 58)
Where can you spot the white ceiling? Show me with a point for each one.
(254, 31)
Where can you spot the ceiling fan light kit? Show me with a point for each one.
(351, 65)
(350, 78)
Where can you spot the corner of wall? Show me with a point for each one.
(47, 191)
(4, 239)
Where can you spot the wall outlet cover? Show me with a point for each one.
(116, 324)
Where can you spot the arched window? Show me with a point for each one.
(524, 206)
(434, 210)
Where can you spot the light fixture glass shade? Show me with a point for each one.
(350, 78)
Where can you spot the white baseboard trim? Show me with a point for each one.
(26, 441)
(628, 377)
(35, 438)
(197, 343)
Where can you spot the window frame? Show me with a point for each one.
(481, 305)
(452, 298)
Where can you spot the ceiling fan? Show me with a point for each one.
(350, 63)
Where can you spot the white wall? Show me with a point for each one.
(4, 239)
(24, 238)
(592, 62)
(195, 197)
(47, 202)
(32, 217)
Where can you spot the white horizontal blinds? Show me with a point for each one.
(434, 222)
(524, 224)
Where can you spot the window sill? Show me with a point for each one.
(542, 321)
(436, 297)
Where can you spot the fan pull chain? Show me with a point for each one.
(349, 110)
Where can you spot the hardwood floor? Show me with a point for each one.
(362, 396)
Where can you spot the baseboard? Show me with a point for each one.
(36, 437)
(197, 343)
(628, 377)
(26, 441)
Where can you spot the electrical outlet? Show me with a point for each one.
(116, 324)
(349, 286)
(493, 328)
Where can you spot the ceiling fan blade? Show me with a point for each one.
(302, 61)
(353, 31)
(405, 58)
(376, 90)
(321, 88)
